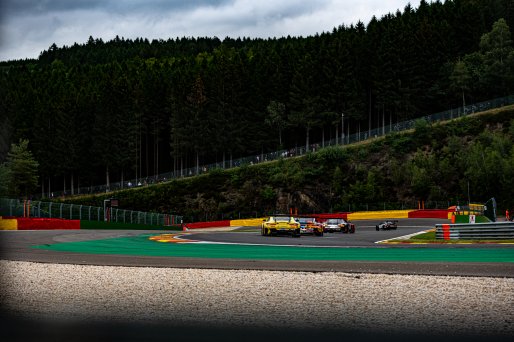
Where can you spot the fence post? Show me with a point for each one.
(71, 212)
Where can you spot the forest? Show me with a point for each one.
(98, 112)
(469, 159)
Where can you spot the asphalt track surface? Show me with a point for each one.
(18, 245)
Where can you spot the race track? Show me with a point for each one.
(216, 303)
(19, 245)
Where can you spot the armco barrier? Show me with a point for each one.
(476, 231)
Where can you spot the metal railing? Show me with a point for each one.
(291, 152)
(18, 208)
(475, 231)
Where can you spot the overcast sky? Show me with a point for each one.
(28, 27)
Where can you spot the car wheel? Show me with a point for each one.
(377, 228)
(352, 230)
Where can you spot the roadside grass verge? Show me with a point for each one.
(429, 237)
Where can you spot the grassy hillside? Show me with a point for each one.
(430, 163)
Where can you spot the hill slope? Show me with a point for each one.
(431, 163)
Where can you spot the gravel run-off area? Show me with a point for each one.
(243, 298)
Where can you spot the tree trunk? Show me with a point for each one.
(383, 119)
(369, 122)
(197, 163)
(307, 139)
(348, 130)
(155, 152)
(107, 177)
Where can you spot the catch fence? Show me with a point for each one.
(19, 208)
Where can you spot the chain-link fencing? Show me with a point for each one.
(20, 208)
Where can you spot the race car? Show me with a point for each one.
(348, 227)
(280, 224)
(338, 225)
(309, 225)
(387, 225)
(333, 225)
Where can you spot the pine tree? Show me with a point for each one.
(22, 170)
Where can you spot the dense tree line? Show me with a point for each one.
(467, 159)
(104, 111)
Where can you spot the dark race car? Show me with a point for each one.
(387, 225)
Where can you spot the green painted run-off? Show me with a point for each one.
(142, 246)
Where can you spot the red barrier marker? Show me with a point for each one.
(446, 231)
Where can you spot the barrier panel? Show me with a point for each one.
(326, 216)
(46, 224)
(8, 224)
(121, 225)
(387, 214)
(211, 224)
(247, 222)
(430, 213)
(476, 231)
